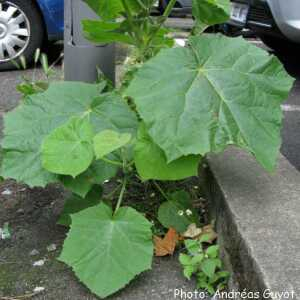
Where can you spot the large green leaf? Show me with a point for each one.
(178, 212)
(107, 141)
(26, 127)
(68, 150)
(106, 32)
(111, 9)
(211, 12)
(75, 204)
(151, 162)
(106, 251)
(199, 99)
(106, 9)
(96, 174)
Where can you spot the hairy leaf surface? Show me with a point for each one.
(68, 150)
(108, 141)
(26, 127)
(106, 251)
(151, 162)
(199, 99)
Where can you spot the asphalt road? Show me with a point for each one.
(9, 98)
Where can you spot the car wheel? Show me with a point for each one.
(21, 31)
(280, 45)
(162, 6)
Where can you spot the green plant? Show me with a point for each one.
(176, 105)
(31, 86)
(205, 264)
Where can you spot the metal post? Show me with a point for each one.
(82, 57)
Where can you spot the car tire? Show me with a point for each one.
(26, 15)
(280, 45)
(162, 6)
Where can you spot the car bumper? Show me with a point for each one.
(273, 17)
(287, 16)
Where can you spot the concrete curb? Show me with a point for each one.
(258, 220)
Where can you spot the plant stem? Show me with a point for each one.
(164, 17)
(169, 8)
(121, 194)
(131, 23)
(110, 195)
(112, 162)
(160, 190)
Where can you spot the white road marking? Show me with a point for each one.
(290, 107)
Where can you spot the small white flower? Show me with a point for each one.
(180, 212)
(180, 42)
(38, 289)
(39, 263)
(152, 195)
(51, 248)
(188, 212)
(34, 252)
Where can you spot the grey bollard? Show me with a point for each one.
(81, 58)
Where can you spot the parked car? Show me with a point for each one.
(276, 22)
(25, 25)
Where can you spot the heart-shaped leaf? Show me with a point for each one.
(26, 127)
(68, 150)
(216, 98)
(106, 251)
(107, 141)
(151, 161)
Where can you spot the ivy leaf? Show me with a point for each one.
(101, 244)
(68, 150)
(28, 125)
(178, 212)
(107, 141)
(217, 98)
(211, 12)
(151, 162)
(97, 173)
(75, 204)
